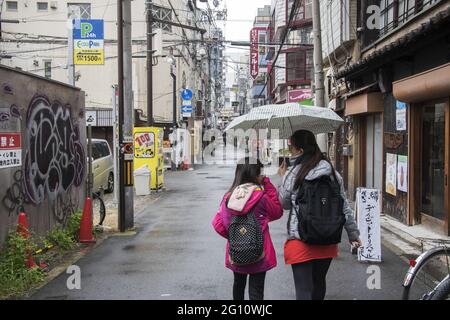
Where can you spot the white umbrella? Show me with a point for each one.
(288, 118)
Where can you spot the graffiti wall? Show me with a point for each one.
(42, 151)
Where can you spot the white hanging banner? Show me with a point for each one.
(368, 208)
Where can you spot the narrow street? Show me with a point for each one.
(176, 254)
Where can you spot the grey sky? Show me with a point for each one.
(241, 14)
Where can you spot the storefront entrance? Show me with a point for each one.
(433, 160)
(427, 94)
(430, 161)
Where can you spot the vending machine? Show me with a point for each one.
(148, 150)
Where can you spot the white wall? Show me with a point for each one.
(338, 22)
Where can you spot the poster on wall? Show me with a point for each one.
(144, 145)
(10, 150)
(391, 174)
(368, 210)
(401, 116)
(402, 173)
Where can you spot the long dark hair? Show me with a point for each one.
(248, 170)
(304, 139)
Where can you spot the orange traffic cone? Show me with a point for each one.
(22, 228)
(86, 223)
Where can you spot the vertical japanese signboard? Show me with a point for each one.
(254, 53)
(88, 42)
(368, 207)
(10, 137)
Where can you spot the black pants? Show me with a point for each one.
(310, 279)
(255, 289)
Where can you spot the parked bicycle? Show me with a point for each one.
(428, 277)
(98, 208)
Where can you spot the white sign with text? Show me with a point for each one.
(368, 208)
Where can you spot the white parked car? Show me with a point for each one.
(102, 166)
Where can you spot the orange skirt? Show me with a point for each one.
(296, 251)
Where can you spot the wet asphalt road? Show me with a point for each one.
(176, 254)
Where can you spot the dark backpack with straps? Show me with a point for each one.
(246, 240)
(320, 211)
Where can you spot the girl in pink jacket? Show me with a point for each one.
(250, 191)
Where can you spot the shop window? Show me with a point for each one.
(299, 65)
(394, 13)
(433, 160)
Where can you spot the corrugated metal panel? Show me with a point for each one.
(104, 118)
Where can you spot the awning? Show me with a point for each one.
(371, 102)
(428, 85)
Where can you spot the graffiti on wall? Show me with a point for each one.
(54, 161)
(55, 157)
(14, 198)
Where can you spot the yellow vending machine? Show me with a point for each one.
(148, 150)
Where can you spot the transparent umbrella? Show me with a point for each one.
(288, 118)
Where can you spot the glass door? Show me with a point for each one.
(433, 151)
(374, 151)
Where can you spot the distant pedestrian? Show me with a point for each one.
(314, 193)
(224, 138)
(245, 212)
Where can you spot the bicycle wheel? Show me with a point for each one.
(442, 291)
(98, 209)
(431, 268)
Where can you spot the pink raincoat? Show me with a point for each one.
(267, 209)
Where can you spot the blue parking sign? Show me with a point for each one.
(88, 29)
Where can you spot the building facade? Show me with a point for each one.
(38, 44)
(391, 81)
(290, 69)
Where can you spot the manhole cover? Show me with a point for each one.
(213, 177)
(201, 173)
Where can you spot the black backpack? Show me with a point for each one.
(320, 211)
(246, 240)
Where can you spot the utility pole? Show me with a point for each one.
(126, 210)
(128, 109)
(149, 8)
(70, 63)
(318, 68)
(173, 73)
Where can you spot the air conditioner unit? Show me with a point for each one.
(54, 4)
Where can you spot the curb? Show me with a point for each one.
(68, 260)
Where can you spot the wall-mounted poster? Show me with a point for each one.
(391, 174)
(401, 116)
(144, 144)
(402, 173)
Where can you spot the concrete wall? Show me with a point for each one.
(49, 182)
